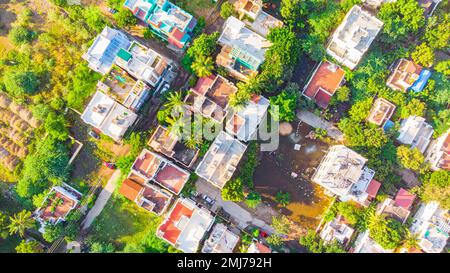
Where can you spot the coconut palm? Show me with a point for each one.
(175, 102)
(203, 66)
(20, 222)
(411, 240)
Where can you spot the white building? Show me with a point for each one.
(438, 153)
(103, 51)
(220, 162)
(337, 230)
(108, 116)
(258, 20)
(221, 240)
(365, 244)
(432, 224)
(415, 131)
(343, 173)
(245, 122)
(185, 225)
(146, 64)
(353, 37)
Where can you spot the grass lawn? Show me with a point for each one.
(199, 8)
(128, 227)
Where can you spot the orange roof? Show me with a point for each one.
(169, 229)
(203, 84)
(172, 178)
(328, 76)
(130, 189)
(404, 199)
(177, 34)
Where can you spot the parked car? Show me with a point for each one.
(110, 165)
(93, 134)
(111, 10)
(208, 200)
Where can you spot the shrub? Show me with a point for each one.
(21, 35)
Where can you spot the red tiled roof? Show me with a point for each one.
(372, 188)
(262, 248)
(322, 98)
(170, 231)
(203, 84)
(326, 79)
(404, 199)
(172, 178)
(176, 34)
(130, 189)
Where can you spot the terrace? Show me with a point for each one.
(221, 240)
(245, 122)
(438, 154)
(59, 202)
(104, 49)
(220, 162)
(354, 36)
(210, 96)
(245, 46)
(382, 110)
(343, 173)
(146, 64)
(108, 116)
(185, 225)
(405, 74)
(432, 224)
(150, 166)
(337, 230)
(259, 21)
(399, 208)
(163, 141)
(415, 131)
(326, 79)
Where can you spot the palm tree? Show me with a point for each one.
(203, 66)
(20, 222)
(175, 102)
(411, 240)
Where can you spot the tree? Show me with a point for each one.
(3, 226)
(314, 244)
(387, 232)
(20, 222)
(286, 103)
(81, 86)
(204, 45)
(233, 191)
(401, 19)
(227, 10)
(423, 55)
(294, 13)
(411, 158)
(29, 247)
(281, 224)
(19, 83)
(53, 232)
(125, 18)
(283, 198)
(411, 240)
(94, 18)
(443, 67)
(342, 94)
(274, 240)
(98, 247)
(203, 66)
(413, 108)
(253, 199)
(437, 34)
(47, 165)
(21, 35)
(56, 126)
(360, 110)
(436, 187)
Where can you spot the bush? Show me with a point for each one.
(423, 55)
(233, 191)
(21, 35)
(53, 232)
(283, 198)
(20, 83)
(315, 244)
(253, 199)
(125, 18)
(227, 10)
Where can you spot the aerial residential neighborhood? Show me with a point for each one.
(228, 126)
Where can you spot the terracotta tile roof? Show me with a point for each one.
(372, 188)
(203, 84)
(169, 228)
(322, 98)
(172, 178)
(130, 189)
(404, 199)
(328, 76)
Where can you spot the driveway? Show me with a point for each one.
(317, 122)
(101, 201)
(239, 215)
